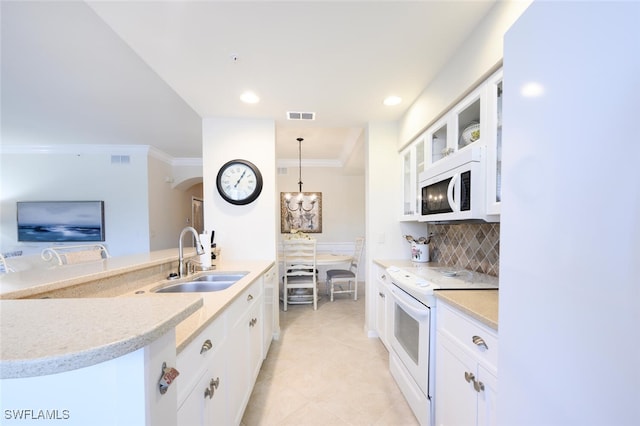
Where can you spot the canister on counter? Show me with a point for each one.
(419, 252)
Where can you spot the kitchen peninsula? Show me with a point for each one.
(94, 339)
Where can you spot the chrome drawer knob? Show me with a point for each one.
(206, 346)
(479, 341)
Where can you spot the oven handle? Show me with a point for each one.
(418, 313)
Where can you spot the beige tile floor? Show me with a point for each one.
(324, 370)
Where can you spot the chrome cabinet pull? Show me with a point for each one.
(480, 342)
(249, 298)
(469, 377)
(206, 346)
(381, 294)
(211, 390)
(253, 322)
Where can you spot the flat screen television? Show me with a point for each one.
(60, 221)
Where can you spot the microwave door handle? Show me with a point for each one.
(450, 189)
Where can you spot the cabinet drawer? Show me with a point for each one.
(480, 340)
(381, 274)
(194, 359)
(244, 302)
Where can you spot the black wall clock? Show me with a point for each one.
(239, 182)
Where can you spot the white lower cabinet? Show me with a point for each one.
(245, 349)
(206, 404)
(465, 368)
(202, 382)
(219, 367)
(382, 304)
(271, 322)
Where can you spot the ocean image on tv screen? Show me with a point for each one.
(60, 221)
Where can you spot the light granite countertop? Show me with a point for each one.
(48, 336)
(481, 305)
(53, 277)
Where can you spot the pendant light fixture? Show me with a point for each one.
(302, 210)
(299, 164)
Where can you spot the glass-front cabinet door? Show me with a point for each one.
(413, 163)
(494, 143)
(468, 116)
(407, 177)
(420, 167)
(459, 128)
(438, 141)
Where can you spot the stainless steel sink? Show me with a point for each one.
(221, 276)
(212, 281)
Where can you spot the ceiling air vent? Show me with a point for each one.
(120, 159)
(292, 115)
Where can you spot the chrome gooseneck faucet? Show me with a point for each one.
(199, 248)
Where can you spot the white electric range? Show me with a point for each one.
(421, 281)
(412, 332)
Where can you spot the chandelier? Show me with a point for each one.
(301, 210)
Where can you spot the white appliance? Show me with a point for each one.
(570, 265)
(411, 330)
(454, 188)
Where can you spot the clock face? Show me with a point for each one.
(239, 182)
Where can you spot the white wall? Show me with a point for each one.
(242, 232)
(383, 179)
(342, 200)
(78, 173)
(480, 53)
(169, 207)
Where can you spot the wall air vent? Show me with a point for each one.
(293, 115)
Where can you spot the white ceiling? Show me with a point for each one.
(337, 59)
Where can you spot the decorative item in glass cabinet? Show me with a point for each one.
(470, 134)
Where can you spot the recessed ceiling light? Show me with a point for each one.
(392, 100)
(249, 98)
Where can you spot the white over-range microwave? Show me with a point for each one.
(454, 188)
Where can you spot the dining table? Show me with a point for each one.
(322, 260)
(328, 259)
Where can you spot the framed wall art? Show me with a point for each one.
(301, 211)
(60, 221)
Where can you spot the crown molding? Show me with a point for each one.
(74, 149)
(187, 162)
(101, 149)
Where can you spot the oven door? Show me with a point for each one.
(409, 336)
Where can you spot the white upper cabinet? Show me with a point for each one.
(468, 118)
(438, 137)
(494, 143)
(475, 120)
(413, 163)
(460, 127)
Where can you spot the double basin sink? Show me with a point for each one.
(211, 281)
